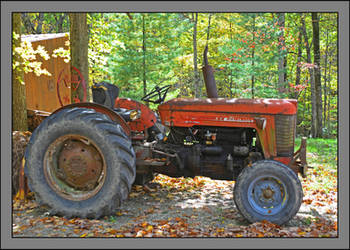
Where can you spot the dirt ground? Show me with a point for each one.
(180, 207)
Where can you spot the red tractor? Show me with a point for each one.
(83, 159)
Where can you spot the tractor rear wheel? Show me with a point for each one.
(80, 163)
(268, 190)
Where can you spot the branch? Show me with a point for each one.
(130, 17)
(290, 52)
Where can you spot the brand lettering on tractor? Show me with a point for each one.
(231, 119)
(192, 122)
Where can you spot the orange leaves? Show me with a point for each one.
(307, 201)
(149, 228)
(159, 213)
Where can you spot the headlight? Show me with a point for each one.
(135, 114)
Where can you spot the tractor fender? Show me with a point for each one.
(147, 118)
(101, 109)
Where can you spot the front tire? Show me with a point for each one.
(268, 190)
(80, 163)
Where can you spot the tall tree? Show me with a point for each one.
(41, 23)
(317, 71)
(19, 107)
(282, 74)
(312, 81)
(252, 55)
(299, 55)
(144, 54)
(79, 41)
(195, 66)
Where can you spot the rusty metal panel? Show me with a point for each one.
(43, 92)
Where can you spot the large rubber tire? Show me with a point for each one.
(268, 190)
(110, 140)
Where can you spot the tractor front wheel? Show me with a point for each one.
(268, 190)
(80, 163)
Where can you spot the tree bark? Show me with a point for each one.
(40, 19)
(325, 81)
(282, 75)
(317, 71)
(195, 65)
(28, 24)
(297, 77)
(144, 55)
(79, 42)
(19, 105)
(60, 21)
(253, 52)
(312, 84)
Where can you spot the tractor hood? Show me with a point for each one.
(264, 106)
(217, 111)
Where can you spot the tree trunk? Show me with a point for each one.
(195, 66)
(144, 55)
(297, 77)
(318, 89)
(282, 75)
(312, 83)
(231, 73)
(62, 17)
(79, 42)
(19, 106)
(329, 101)
(325, 81)
(28, 25)
(253, 51)
(40, 19)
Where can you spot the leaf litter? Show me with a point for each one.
(183, 207)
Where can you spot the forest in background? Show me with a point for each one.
(254, 55)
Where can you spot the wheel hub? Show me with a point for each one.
(268, 193)
(79, 165)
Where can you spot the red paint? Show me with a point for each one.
(147, 119)
(185, 112)
(284, 160)
(74, 84)
(63, 76)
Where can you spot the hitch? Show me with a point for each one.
(298, 162)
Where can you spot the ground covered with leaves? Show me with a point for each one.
(193, 207)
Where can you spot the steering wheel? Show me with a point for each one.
(159, 92)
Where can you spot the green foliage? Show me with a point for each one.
(41, 23)
(29, 61)
(321, 151)
(144, 50)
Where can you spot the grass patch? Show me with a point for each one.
(322, 156)
(321, 151)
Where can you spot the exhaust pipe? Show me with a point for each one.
(208, 74)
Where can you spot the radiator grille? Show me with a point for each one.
(285, 132)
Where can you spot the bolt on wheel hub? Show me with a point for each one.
(268, 193)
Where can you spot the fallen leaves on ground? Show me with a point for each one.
(185, 207)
